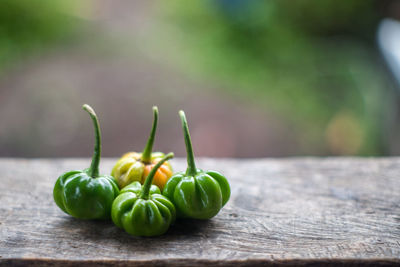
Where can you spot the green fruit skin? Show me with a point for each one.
(84, 197)
(142, 217)
(199, 196)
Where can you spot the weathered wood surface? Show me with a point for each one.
(282, 211)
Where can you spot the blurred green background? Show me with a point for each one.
(256, 78)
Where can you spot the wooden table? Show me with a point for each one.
(282, 211)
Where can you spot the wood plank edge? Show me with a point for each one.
(198, 262)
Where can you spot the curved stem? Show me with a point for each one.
(94, 167)
(149, 178)
(146, 154)
(191, 168)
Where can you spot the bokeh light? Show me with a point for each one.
(255, 78)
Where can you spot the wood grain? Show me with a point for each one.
(302, 211)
